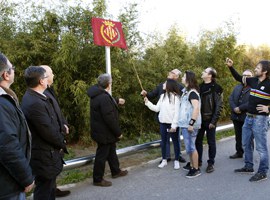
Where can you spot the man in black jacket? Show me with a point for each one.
(239, 104)
(211, 106)
(15, 139)
(105, 130)
(49, 92)
(155, 94)
(48, 140)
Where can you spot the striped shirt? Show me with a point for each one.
(259, 91)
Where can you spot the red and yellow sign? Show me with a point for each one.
(108, 33)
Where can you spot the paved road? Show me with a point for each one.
(148, 182)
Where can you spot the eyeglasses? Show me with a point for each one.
(11, 68)
(44, 77)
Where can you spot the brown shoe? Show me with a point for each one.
(103, 183)
(61, 193)
(121, 173)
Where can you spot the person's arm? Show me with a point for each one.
(195, 113)
(218, 99)
(176, 113)
(151, 106)
(243, 107)
(235, 74)
(12, 157)
(120, 101)
(155, 93)
(231, 99)
(263, 108)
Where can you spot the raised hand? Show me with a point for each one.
(229, 62)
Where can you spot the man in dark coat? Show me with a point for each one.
(105, 130)
(211, 106)
(239, 104)
(15, 140)
(155, 94)
(49, 92)
(48, 141)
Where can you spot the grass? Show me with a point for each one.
(74, 175)
(224, 134)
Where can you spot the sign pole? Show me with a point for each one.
(108, 62)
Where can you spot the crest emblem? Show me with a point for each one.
(109, 32)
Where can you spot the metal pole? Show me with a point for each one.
(108, 62)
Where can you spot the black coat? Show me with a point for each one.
(48, 141)
(239, 98)
(15, 147)
(211, 103)
(104, 116)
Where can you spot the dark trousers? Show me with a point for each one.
(105, 152)
(211, 140)
(165, 138)
(45, 188)
(238, 136)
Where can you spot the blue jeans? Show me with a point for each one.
(257, 127)
(165, 136)
(20, 196)
(168, 149)
(189, 139)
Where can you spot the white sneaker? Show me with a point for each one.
(163, 163)
(176, 164)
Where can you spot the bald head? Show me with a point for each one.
(49, 73)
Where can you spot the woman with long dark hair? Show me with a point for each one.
(190, 120)
(168, 108)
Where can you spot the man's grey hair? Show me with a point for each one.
(3, 64)
(104, 80)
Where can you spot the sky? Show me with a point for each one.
(251, 18)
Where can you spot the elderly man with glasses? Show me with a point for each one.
(239, 104)
(48, 143)
(15, 140)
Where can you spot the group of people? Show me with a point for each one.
(32, 136)
(194, 109)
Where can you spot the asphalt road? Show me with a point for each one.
(148, 182)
